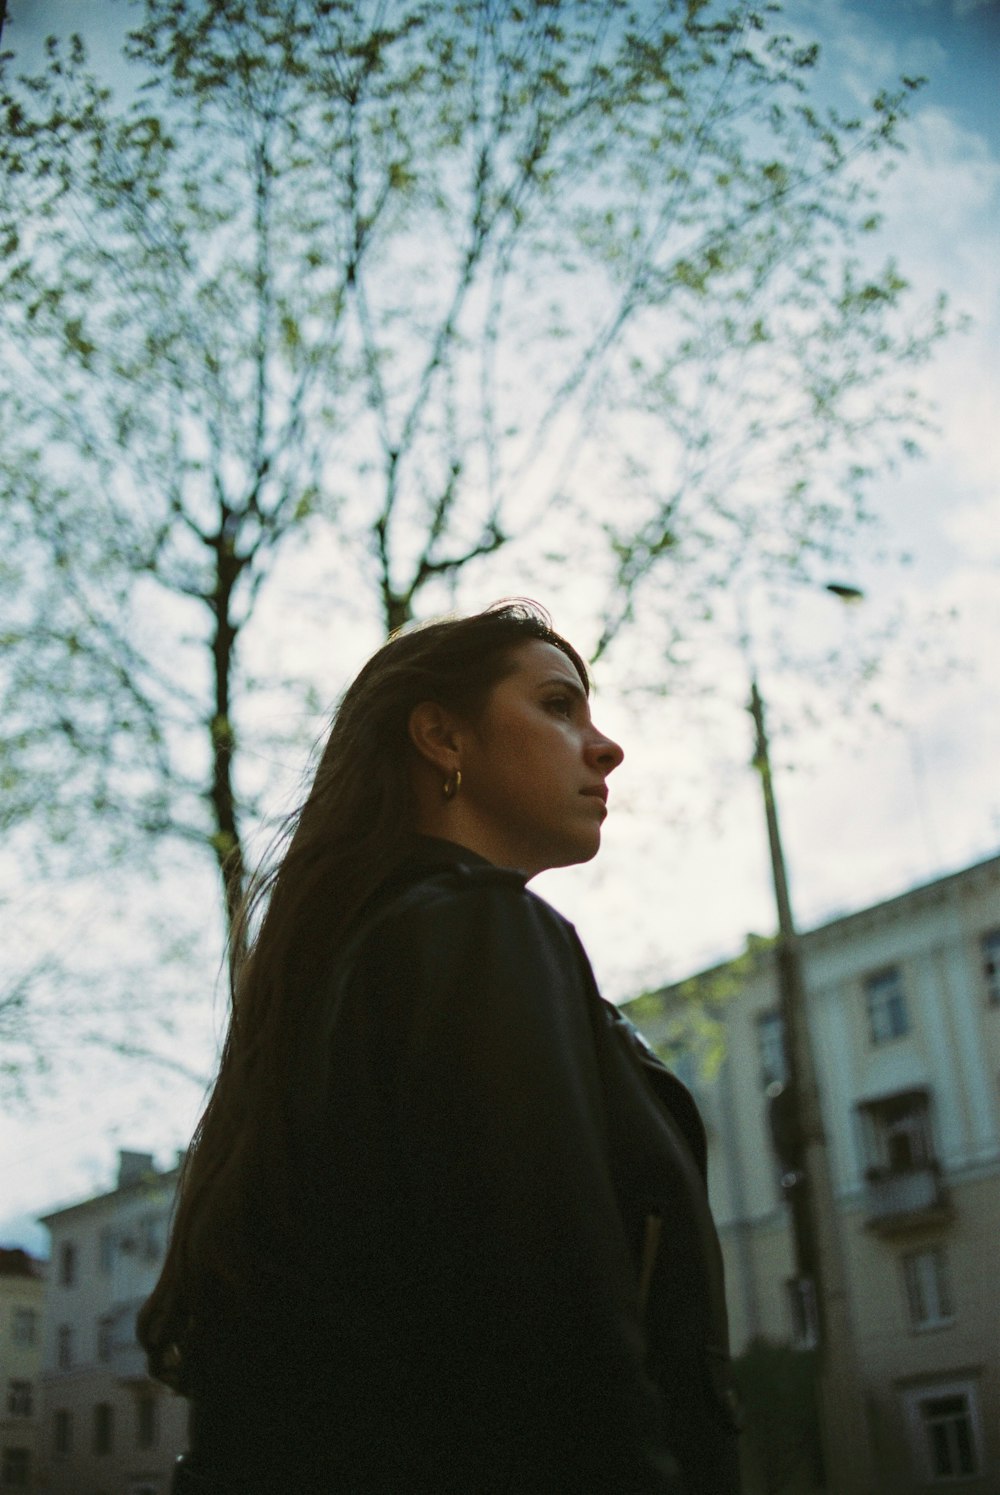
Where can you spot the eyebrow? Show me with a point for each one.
(565, 683)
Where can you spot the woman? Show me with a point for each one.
(443, 1228)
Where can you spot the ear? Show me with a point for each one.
(435, 734)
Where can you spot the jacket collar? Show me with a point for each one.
(422, 857)
(432, 853)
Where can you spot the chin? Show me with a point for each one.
(576, 855)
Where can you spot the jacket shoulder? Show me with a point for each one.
(462, 887)
(458, 906)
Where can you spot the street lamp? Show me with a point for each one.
(815, 1225)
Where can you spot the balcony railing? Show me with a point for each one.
(898, 1199)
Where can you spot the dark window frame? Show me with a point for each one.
(103, 1442)
(886, 1005)
(20, 1397)
(989, 952)
(922, 1314)
(147, 1421)
(62, 1432)
(69, 1263)
(15, 1468)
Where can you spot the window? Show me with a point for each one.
(25, 1326)
(67, 1264)
(19, 1398)
(146, 1421)
(15, 1470)
(103, 1427)
(62, 1432)
(105, 1338)
(106, 1252)
(886, 1003)
(801, 1293)
(771, 1048)
(903, 1178)
(897, 1132)
(943, 1420)
(928, 1297)
(150, 1235)
(64, 1347)
(990, 947)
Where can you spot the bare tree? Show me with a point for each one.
(359, 279)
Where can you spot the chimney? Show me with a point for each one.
(132, 1166)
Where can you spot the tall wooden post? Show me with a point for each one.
(816, 1227)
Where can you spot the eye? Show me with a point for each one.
(561, 705)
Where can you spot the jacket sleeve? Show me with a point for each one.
(520, 1257)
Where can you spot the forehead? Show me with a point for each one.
(537, 662)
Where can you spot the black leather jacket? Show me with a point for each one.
(502, 1277)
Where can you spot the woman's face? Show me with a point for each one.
(533, 792)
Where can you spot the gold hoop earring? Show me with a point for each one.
(452, 784)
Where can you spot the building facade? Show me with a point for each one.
(22, 1290)
(903, 1009)
(107, 1428)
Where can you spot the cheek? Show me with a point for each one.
(522, 739)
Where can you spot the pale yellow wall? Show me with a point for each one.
(82, 1472)
(952, 1048)
(770, 1266)
(118, 1287)
(21, 1363)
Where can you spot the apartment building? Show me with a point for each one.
(903, 1008)
(107, 1429)
(22, 1290)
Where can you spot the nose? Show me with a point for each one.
(604, 753)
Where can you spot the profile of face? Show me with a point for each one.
(533, 767)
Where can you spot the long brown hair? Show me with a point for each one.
(353, 829)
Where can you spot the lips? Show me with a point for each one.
(597, 791)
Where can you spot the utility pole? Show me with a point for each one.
(816, 1228)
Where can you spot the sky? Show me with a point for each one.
(871, 805)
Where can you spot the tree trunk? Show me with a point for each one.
(226, 834)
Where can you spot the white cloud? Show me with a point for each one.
(976, 529)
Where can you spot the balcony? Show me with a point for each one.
(902, 1199)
